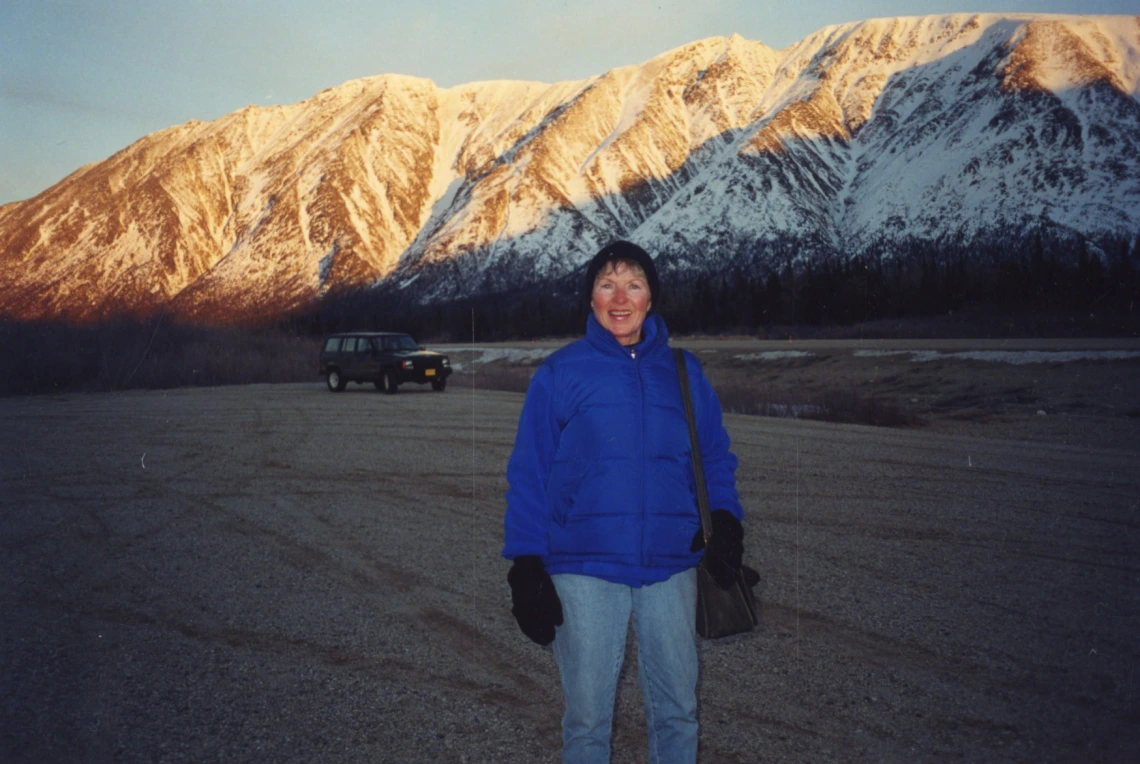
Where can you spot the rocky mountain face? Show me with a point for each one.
(723, 153)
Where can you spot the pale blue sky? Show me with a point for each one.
(81, 79)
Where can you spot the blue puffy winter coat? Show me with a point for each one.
(601, 477)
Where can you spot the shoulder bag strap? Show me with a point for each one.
(698, 466)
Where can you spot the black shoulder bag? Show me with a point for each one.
(720, 612)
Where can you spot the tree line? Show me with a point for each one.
(919, 280)
(1040, 288)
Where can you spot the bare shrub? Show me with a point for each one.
(227, 357)
(43, 358)
(832, 404)
(854, 406)
(52, 358)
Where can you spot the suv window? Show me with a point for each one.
(332, 345)
(404, 342)
(349, 345)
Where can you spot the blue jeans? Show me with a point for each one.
(590, 645)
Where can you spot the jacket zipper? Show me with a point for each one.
(641, 460)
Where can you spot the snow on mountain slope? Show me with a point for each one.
(930, 128)
(724, 152)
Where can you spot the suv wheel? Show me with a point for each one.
(439, 384)
(388, 382)
(335, 381)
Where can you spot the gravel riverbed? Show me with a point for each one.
(276, 573)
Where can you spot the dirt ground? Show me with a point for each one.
(279, 573)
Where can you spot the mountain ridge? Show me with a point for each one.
(855, 140)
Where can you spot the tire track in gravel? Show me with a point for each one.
(478, 650)
(376, 574)
(338, 656)
(972, 665)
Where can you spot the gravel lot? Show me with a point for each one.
(276, 573)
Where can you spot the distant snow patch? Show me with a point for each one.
(784, 411)
(773, 355)
(480, 356)
(324, 267)
(514, 355)
(916, 355)
(1014, 357)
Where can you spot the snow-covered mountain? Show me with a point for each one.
(863, 135)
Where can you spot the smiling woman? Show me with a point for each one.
(602, 522)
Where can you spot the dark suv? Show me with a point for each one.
(386, 359)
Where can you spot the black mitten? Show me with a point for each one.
(725, 552)
(534, 602)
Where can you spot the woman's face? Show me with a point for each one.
(620, 301)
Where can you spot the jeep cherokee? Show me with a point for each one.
(387, 359)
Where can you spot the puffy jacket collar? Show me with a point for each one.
(656, 336)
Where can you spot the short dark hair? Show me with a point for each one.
(617, 251)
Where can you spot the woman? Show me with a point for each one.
(602, 520)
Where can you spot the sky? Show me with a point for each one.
(82, 79)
